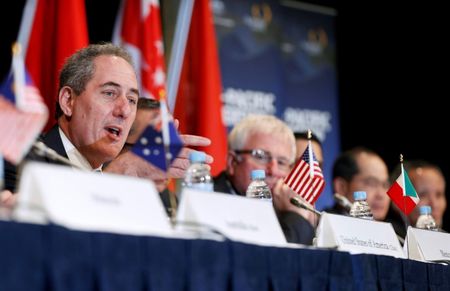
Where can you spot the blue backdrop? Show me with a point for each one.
(279, 59)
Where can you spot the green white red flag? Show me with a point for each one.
(403, 194)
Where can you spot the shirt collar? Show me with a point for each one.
(75, 156)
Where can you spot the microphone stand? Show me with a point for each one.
(297, 202)
(300, 204)
(343, 201)
(40, 149)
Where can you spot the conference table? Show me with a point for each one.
(51, 257)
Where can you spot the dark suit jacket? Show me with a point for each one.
(223, 185)
(295, 227)
(52, 139)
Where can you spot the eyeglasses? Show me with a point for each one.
(263, 158)
(372, 182)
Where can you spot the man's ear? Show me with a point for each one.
(66, 100)
(341, 186)
(232, 161)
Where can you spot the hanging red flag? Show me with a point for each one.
(199, 105)
(51, 30)
(138, 29)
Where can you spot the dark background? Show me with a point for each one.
(392, 72)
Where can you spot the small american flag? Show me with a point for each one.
(23, 111)
(306, 178)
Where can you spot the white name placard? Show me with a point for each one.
(358, 235)
(427, 245)
(90, 201)
(238, 218)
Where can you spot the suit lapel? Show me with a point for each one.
(53, 140)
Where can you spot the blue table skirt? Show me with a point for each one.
(51, 258)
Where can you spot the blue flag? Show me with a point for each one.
(150, 146)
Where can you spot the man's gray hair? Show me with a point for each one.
(79, 68)
(265, 124)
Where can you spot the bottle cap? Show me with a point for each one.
(425, 209)
(359, 195)
(258, 174)
(197, 157)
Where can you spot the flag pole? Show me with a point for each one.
(311, 171)
(178, 48)
(404, 204)
(167, 153)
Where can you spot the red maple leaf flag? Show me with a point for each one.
(138, 29)
(306, 178)
(51, 30)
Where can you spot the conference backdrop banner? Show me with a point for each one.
(278, 57)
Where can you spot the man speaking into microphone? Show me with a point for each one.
(97, 104)
(97, 101)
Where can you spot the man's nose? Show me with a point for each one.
(122, 107)
(432, 202)
(272, 168)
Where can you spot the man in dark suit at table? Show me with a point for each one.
(361, 169)
(97, 101)
(98, 98)
(264, 142)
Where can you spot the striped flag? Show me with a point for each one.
(23, 111)
(306, 178)
(138, 29)
(403, 194)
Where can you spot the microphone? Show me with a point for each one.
(42, 150)
(343, 201)
(300, 204)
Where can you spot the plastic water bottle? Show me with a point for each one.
(258, 187)
(198, 175)
(360, 208)
(425, 220)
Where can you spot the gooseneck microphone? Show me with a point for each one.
(343, 201)
(44, 151)
(300, 204)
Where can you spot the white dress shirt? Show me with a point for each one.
(75, 156)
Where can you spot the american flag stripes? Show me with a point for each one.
(306, 178)
(23, 111)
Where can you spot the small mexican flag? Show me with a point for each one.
(403, 194)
